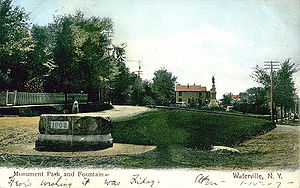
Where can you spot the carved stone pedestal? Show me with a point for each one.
(72, 132)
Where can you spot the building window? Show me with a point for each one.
(180, 93)
(180, 99)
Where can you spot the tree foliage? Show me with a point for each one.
(15, 42)
(83, 54)
(163, 86)
(73, 54)
(283, 84)
(254, 100)
(285, 90)
(226, 100)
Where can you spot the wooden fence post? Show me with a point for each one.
(15, 98)
(6, 100)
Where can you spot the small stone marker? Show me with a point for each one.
(224, 148)
(75, 107)
(229, 108)
(73, 132)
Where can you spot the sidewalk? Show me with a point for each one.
(120, 111)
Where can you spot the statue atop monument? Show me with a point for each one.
(213, 95)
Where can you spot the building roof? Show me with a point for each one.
(189, 88)
(235, 96)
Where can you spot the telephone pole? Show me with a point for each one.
(139, 71)
(272, 65)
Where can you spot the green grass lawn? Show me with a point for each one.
(175, 156)
(182, 139)
(191, 129)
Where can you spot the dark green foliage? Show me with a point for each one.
(193, 129)
(40, 59)
(34, 85)
(28, 112)
(226, 100)
(283, 84)
(85, 58)
(15, 42)
(163, 87)
(254, 100)
(285, 90)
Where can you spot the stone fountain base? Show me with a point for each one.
(73, 132)
(73, 143)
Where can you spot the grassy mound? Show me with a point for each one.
(193, 129)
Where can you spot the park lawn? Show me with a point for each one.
(175, 135)
(278, 149)
(191, 129)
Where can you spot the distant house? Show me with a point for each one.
(192, 94)
(235, 98)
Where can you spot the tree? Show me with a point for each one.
(40, 59)
(254, 100)
(163, 87)
(226, 100)
(15, 42)
(283, 84)
(83, 55)
(285, 90)
(123, 81)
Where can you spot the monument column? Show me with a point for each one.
(213, 95)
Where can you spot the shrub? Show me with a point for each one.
(28, 112)
(193, 129)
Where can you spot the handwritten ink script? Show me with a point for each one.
(143, 180)
(148, 178)
(13, 182)
(206, 180)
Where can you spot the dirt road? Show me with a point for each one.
(279, 147)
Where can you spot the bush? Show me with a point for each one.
(193, 129)
(27, 112)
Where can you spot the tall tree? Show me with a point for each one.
(226, 100)
(285, 87)
(163, 87)
(122, 82)
(254, 100)
(83, 54)
(15, 42)
(283, 84)
(40, 59)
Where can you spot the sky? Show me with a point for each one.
(193, 39)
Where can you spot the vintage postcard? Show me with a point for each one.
(149, 94)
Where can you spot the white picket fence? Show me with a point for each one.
(24, 98)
